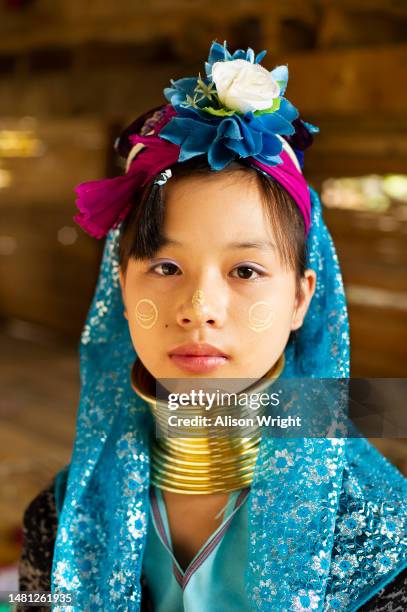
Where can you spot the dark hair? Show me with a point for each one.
(141, 231)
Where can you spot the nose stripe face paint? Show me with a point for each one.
(198, 299)
(146, 313)
(261, 316)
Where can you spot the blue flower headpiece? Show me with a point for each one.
(237, 111)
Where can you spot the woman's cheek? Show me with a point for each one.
(265, 326)
(144, 318)
(146, 313)
(261, 316)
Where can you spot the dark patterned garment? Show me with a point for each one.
(40, 524)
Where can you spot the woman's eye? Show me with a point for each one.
(246, 272)
(165, 269)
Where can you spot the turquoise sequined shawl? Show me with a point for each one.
(326, 525)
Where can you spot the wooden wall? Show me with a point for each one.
(48, 266)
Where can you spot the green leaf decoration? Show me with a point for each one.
(219, 112)
(275, 106)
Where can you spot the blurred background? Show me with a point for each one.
(72, 75)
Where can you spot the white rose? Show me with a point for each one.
(243, 86)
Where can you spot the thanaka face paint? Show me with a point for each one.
(146, 313)
(198, 300)
(261, 316)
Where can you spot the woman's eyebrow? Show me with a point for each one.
(250, 244)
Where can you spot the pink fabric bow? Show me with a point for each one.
(104, 203)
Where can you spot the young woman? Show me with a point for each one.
(217, 265)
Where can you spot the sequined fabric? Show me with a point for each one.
(327, 524)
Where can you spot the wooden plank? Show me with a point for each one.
(38, 404)
(378, 341)
(77, 144)
(44, 280)
(347, 81)
(357, 145)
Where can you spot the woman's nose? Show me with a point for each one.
(201, 309)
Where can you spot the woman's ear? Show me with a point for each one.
(122, 280)
(308, 283)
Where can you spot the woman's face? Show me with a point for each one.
(218, 280)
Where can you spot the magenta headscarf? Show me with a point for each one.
(104, 203)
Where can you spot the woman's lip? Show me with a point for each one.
(200, 349)
(198, 363)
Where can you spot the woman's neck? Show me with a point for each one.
(209, 463)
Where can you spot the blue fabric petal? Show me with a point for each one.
(174, 96)
(239, 54)
(240, 147)
(184, 132)
(250, 55)
(270, 160)
(218, 53)
(272, 122)
(229, 128)
(260, 56)
(280, 74)
(180, 89)
(275, 123)
(287, 110)
(311, 128)
(197, 114)
(250, 144)
(196, 143)
(253, 122)
(219, 156)
(186, 84)
(271, 145)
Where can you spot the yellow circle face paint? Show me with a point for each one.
(261, 316)
(146, 313)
